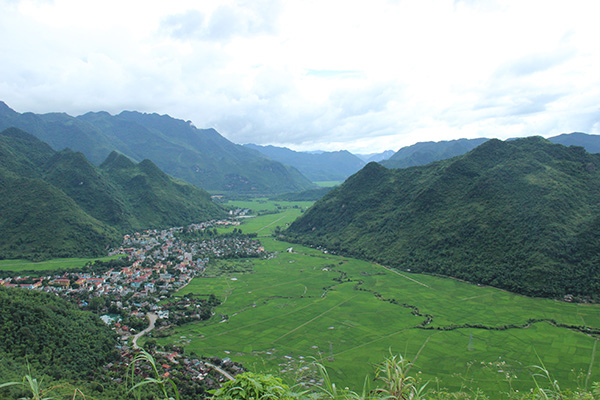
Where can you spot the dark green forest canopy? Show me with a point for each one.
(520, 215)
(201, 157)
(52, 335)
(423, 153)
(58, 204)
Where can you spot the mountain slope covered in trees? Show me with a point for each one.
(201, 157)
(591, 143)
(51, 335)
(423, 153)
(58, 204)
(325, 166)
(521, 215)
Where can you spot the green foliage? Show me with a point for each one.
(58, 204)
(396, 381)
(201, 157)
(591, 143)
(250, 386)
(291, 300)
(306, 195)
(59, 265)
(35, 387)
(163, 384)
(393, 382)
(52, 335)
(423, 153)
(156, 200)
(32, 389)
(41, 222)
(520, 215)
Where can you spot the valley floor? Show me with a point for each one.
(301, 304)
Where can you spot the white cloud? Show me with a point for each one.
(310, 74)
(224, 22)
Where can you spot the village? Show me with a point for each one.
(137, 286)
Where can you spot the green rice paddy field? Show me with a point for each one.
(349, 314)
(50, 265)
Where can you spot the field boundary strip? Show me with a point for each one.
(261, 321)
(266, 226)
(404, 276)
(313, 319)
(589, 374)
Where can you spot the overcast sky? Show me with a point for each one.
(364, 76)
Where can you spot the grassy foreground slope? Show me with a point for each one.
(520, 215)
(348, 314)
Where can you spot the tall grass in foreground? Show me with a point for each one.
(161, 382)
(36, 391)
(393, 381)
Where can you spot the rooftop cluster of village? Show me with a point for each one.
(139, 281)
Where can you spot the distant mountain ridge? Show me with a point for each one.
(522, 215)
(377, 157)
(591, 143)
(58, 204)
(423, 153)
(199, 156)
(316, 166)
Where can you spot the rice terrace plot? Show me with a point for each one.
(302, 304)
(50, 265)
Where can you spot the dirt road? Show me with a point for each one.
(152, 318)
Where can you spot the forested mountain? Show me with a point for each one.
(199, 156)
(50, 335)
(58, 204)
(591, 143)
(322, 166)
(521, 215)
(306, 195)
(423, 153)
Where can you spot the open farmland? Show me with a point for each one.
(348, 314)
(50, 265)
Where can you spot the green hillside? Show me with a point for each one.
(39, 221)
(155, 199)
(58, 204)
(591, 143)
(423, 153)
(89, 187)
(325, 166)
(53, 335)
(201, 157)
(519, 215)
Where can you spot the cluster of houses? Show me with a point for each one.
(154, 264)
(200, 374)
(158, 262)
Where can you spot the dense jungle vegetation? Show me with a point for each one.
(520, 215)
